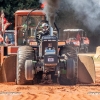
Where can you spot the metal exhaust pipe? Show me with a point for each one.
(51, 31)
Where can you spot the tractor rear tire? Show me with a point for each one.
(63, 80)
(71, 71)
(24, 53)
(70, 78)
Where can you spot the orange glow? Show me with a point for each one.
(61, 43)
(43, 4)
(33, 43)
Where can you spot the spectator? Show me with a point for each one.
(78, 37)
(5, 24)
(7, 41)
(1, 39)
(45, 29)
(44, 32)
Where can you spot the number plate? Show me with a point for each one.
(50, 59)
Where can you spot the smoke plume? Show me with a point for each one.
(50, 9)
(87, 11)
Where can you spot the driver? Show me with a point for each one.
(45, 29)
(44, 32)
(7, 41)
(78, 37)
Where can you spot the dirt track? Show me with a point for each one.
(9, 91)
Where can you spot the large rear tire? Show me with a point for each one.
(63, 80)
(71, 71)
(24, 53)
(70, 55)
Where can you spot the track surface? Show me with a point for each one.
(10, 91)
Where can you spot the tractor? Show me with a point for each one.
(33, 59)
(78, 39)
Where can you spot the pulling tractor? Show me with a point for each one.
(33, 58)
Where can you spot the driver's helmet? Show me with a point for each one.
(45, 24)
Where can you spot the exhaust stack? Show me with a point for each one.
(51, 31)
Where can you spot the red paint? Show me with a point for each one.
(43, 4)
(12, 49)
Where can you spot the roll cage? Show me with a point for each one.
(24, 16)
